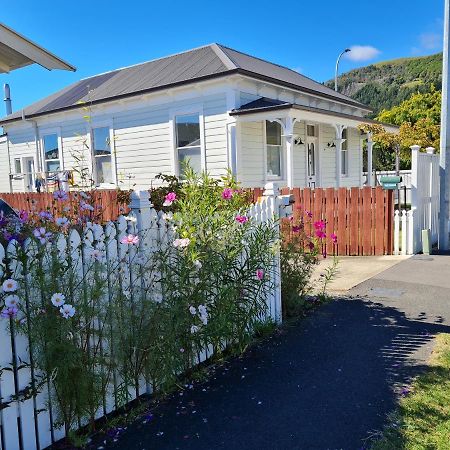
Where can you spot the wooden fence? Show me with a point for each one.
(361, 218)
(108, 204)
(30, 423)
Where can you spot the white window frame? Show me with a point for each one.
(282, 151)
(173, 114)
(47, 132)
(344, 167)
(102, 124)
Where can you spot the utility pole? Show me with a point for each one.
(337, 68)
(444, 162)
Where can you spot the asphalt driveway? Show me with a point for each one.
(326, 382)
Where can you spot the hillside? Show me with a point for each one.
(388, 83)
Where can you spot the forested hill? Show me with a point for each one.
(388, 83)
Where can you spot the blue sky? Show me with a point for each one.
(97, 36)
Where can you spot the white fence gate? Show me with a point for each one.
(30, 424)
(424, 213)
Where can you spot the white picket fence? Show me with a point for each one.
(424, 213)
(30, 424)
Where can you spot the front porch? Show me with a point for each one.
(299, 146)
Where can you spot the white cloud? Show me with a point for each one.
(362, 53)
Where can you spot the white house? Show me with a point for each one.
(215, 106)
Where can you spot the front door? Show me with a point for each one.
(311, 163)
(29, 175)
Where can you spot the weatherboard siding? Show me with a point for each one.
(4, 165)
(252, 166)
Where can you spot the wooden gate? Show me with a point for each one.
(361, 218)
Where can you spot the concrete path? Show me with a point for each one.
(325, 383)
(353, 270)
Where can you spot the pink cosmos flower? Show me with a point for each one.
(259, 274)
(333, 238)
(46, 215)
(320, 234)
(296, 228)
(181, 243)
(61, 196)
(227, 193)
(241, 219)
(311, 245)
(67, 311)
(131, 239)
(10, 285)
(309, 214)
(319, 225)
(9, 312)
(86, 206)
(169, 198)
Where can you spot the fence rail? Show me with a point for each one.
(30, 423)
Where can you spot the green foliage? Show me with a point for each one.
(387, 84)
(299, 255)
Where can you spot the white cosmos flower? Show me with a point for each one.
(10, 285)
(58, 299)
(61, 221)
(130, 219)
(197, 264)
(67, 311)
(181, 243)
(97, 255)
(12, 300)
(192, 310)
(194, 329)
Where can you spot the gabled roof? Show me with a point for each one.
(17, 51)
(202, 63)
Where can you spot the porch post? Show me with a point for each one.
(338, 141)
(289, 138)
(369, 160)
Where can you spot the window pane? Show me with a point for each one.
(273, 133)
(344, 163)
(274, 160)
(191, 156)
(101, 140)
(52, 166)
(188, 130)
(17, 166)
(310, 130)
(311, 160)
(344, 136)
(51, 146)
(103, 169)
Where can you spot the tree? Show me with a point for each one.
(418, 119)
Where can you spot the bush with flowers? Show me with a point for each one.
(104, 319)
(302, 247)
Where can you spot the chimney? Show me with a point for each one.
(7, 99)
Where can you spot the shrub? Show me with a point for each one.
(300, 251)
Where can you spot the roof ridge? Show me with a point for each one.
(161, 58)
(229, 63)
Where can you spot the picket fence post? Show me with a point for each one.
(397, 232)
(271, 195)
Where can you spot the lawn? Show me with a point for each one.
(422, 420)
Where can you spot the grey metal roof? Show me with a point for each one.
(265, 104)
(210, 61)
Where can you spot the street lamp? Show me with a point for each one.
(337, 68)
